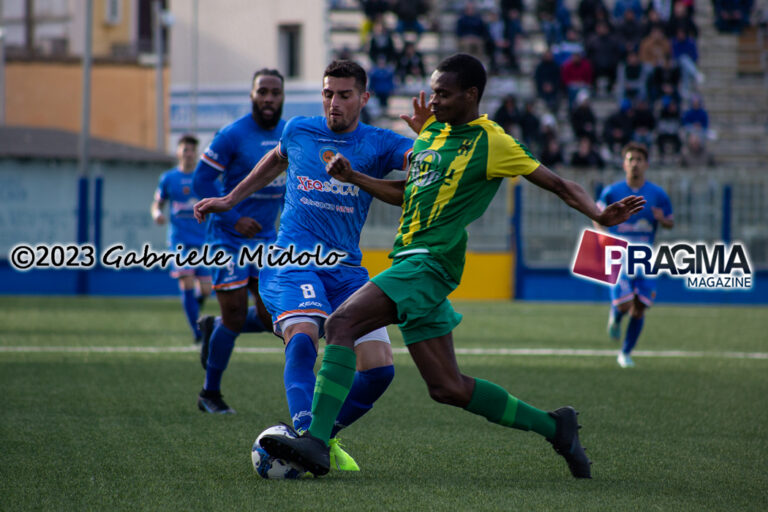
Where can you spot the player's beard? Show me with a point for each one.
(267, 124)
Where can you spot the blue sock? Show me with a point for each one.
(617, 315)
(192, 309)
(367, 387)
(252, 321)
(219, 350)
(633, 332)
(299, 379)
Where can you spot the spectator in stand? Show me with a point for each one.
(652, 20)
(563, 16)
(471, 31)
(630, 31)
(662, 7)
(731, 16)
(668, 128)
(408, 12)
(496, 44)
(530, 126)
(583, 120)
(373, 10)
(381, 81)
(508, 115)
(576, 74)
(410, 63)
(623, 5)
(548, 81)
(604, 51)
(687, 55)
(586, 156)
(381, 43)
(696, 118)
(513, 32)
(694, 154)
(587, 14)
(654, 48)
(643, 123)
(506, 5)
(681, 19)
(665, 81)
(546, 13)
(618, 127)
(563, 50)
(552, 154)
(548, 130)
(631, 77)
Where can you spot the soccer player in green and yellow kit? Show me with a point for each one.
(458, 162)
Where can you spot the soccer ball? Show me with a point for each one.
(269, 467)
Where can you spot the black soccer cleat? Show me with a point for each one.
(566, 442)
(206, 325)
(213, 403)
(306, 450)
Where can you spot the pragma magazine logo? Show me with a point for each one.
(602, 258)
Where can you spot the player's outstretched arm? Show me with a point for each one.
(665, 221)
(389, 191)
(157, 211)
(269, 167)
(576, 197)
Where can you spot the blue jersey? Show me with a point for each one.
(234, 151)
(175, 187)
(641, 227)
(319, 208)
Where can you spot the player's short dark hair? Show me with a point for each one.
(635, 146)
(469, 71)
(348, 69)
(188, 138)
(267, 72)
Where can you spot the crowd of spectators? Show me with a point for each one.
(642, 54)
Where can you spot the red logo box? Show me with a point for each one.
(590, 258)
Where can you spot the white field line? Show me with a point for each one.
(460, 351)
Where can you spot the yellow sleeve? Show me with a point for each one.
(507, 157)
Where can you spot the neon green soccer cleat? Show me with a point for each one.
(340, 459)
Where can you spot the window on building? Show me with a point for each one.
(113, 12)
(289, 50)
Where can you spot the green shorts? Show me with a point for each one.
(419, 285)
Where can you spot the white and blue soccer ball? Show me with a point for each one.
(269, 467)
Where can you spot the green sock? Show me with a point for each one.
(496, 405)
(331, 389)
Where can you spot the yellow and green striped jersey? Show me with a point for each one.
(454, 173)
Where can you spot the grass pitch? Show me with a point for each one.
(99, 414)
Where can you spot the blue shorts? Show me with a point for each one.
(300, 292)
(626, 288)
(177, 272)
(233, 276)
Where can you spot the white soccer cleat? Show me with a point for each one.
(625, 360)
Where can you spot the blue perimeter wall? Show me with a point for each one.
(555, 284)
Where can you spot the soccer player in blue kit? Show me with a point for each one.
(320, 210)
(175, 186)
(234, 151)
(634, 295)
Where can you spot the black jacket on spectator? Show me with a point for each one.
(584, 122)
(547, 72)
(591, 159)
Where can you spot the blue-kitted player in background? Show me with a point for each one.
(175, 187)
(320, 210)
(635, 294)
(234, 151)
